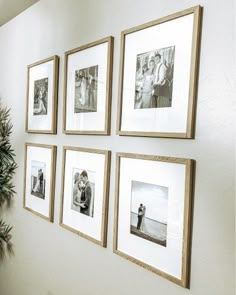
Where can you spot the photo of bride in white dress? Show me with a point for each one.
(154, 78)
(38, 181)
(40, 96)
(149, 212)
(86, 84)
(83, 191)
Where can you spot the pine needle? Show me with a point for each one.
(7, 172)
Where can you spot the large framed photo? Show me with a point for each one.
(42, 91)
(158, 76)
(87, 90)
(85, 188)
(153, 213)
(39, 179)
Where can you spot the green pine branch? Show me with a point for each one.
(5, 240)
(7, 171)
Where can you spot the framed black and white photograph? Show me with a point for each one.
(87, 88)
(83, 182)
(84, 201)
(40, 97)
(149, 212)
(153, 203)
(158, 76)
(39, 179)
(86, 85)
(154, 71)
(42, 90)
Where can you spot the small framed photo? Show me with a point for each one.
(153, 213)
(158, 76)
(85, 188)
(42, 90)
(87, 89)
(39, 179)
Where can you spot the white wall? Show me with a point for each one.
(50, 260)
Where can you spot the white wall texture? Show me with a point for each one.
(50, 260)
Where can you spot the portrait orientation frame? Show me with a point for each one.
(92, 224)
(88, 67)
(42, 118)
(39, 191)
(149, 104)
(164, 186)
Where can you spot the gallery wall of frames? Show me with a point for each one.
(157, 98)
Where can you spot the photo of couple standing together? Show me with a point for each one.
(82, 193)
(154, 79)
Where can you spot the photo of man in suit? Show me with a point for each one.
(140, 215)
(83, 191)
(154, 78)
(86, 194)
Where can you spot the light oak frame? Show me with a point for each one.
(107, 128)
(187, 229)
(52, 180)
(53, 130)
(103, 241)
(193, 81)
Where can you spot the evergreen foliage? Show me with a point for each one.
(7, 171)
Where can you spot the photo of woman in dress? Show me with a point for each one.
(154, 79)
(40, 96)
(86, 84)
(38, 181)
(83, 191)
(149, 212)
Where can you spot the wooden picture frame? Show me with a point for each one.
(88, 88)
(159, 76)
(39, 179)
(164, 186)
(89, 222)
(42, 96)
